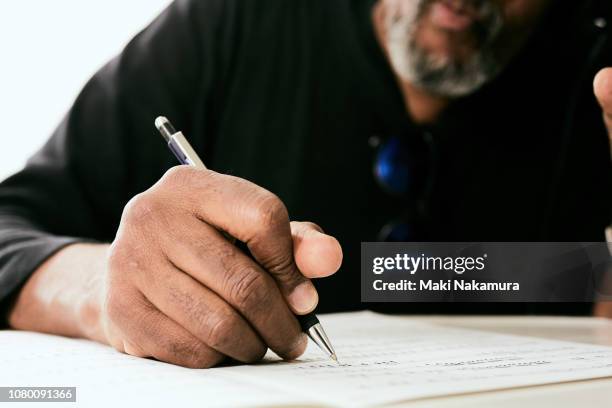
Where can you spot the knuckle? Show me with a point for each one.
(222, 331)
(281, 266)
(142, 208)
(127, 260)
(123, 308)
(187, 176)
(249, 289)
(270, 211)
(204, 358)
(258, 354)
(191, 353)
(254, 352)
(178, 175)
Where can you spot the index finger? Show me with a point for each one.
(254, 216)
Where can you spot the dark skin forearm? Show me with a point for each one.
(64, 295)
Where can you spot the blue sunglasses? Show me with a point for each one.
(404, 167)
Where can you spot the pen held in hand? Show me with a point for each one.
(180, 147)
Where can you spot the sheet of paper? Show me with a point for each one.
(107, 378)
(383, 359)
(387, 359)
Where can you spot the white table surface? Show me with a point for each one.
(587, 394)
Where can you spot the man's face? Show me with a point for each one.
(452, 47)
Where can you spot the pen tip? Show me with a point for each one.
(335, 358)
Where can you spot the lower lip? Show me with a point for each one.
(446, 18)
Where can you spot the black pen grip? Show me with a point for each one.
(307, 321)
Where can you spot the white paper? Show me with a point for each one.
(383, 359)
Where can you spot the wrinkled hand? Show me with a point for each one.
(179, 291)
(603, 92)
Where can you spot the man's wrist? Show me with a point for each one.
(65, 294)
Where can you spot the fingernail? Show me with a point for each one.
(304, 298)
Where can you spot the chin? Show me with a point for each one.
(444, 45)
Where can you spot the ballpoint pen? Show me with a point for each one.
(183, 151)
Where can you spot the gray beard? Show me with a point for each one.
(436, 74)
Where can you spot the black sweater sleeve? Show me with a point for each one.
(106, 149)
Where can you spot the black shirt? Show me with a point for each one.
(287, 95)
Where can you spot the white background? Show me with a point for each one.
(48, 50)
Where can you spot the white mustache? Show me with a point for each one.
(485, 10)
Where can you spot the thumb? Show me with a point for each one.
(316, 254)
(603, 91)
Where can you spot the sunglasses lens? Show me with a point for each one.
(401, 169)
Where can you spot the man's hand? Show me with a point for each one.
(603, 92)
(176, 289)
